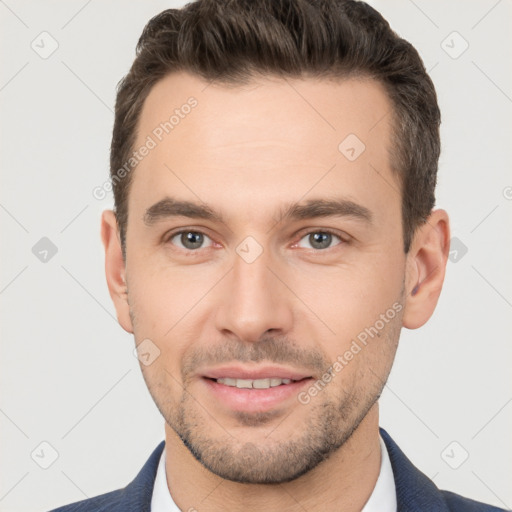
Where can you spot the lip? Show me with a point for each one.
(254, 400)
(262, 372)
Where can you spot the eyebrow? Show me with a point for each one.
(339, 207)
(169, 207)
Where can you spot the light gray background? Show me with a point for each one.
(68, 374)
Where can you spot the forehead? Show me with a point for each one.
(270, 140)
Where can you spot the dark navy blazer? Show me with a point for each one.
(414, 491)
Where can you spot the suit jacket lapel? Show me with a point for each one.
(136, 496)
(415, 492)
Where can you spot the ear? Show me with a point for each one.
(426, 266)
(115, 269)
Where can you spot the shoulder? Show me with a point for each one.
(100, 503)
(416, 492)
(457, 503)
(135, 497)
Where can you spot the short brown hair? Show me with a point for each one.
(230, 41)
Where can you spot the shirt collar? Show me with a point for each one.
(382, 499)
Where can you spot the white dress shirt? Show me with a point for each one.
(382, 499)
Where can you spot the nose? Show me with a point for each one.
(254, 300)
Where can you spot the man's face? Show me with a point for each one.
(256, 294)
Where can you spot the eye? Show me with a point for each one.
(320, 239)
(189, 240)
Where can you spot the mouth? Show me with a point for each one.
(254, 390)
(266, 383)
(254, 374)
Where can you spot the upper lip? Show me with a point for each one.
(261, 372)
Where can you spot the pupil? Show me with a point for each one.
(192, 240)
(322, 239)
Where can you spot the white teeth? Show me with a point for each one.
(253, 383)
(261, 383)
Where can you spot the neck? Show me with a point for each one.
(344, 481)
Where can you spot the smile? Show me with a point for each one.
(254, 383)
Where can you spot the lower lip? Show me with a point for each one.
(254, 400)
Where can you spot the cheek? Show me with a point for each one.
(161, 295)
(167, 305)
(354, 298)
(361, 303)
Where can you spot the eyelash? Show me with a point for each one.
(343, 241)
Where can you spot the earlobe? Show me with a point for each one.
(426, 265)
(115, 269)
